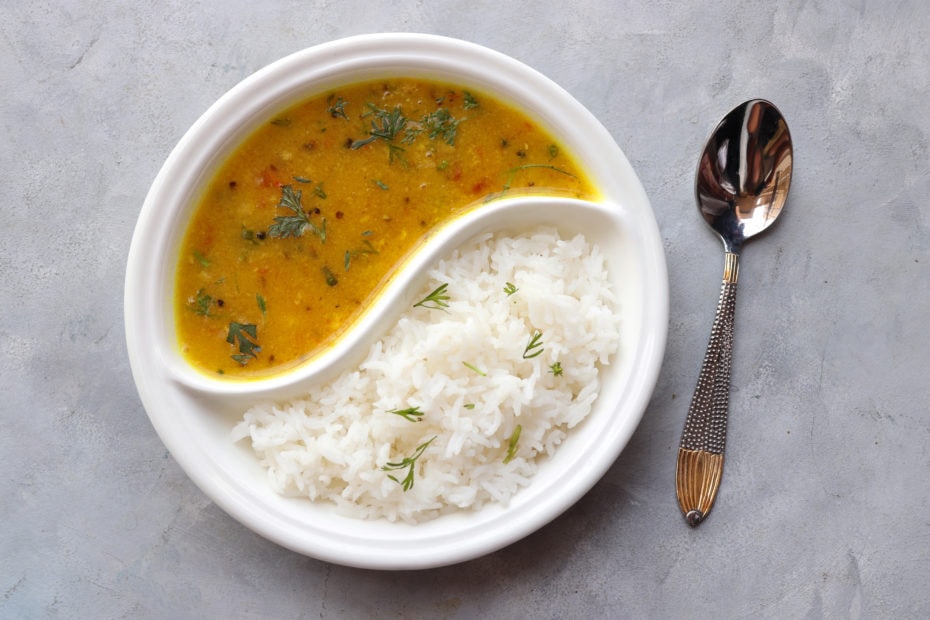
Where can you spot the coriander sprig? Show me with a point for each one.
(535, 346)
(391, 126)
(386, 126)
(437, 124)
(510, 288)
(435, 300)
(407, 463)
(294, 225)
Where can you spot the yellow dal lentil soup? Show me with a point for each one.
(305, 222)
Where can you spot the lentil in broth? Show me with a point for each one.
(303, 225)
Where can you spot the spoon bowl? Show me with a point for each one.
(742, 184)
(745, 172)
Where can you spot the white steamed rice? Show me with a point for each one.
(331, 445)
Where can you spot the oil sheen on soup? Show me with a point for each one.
(304, 223)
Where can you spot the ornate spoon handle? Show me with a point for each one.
(700, 453)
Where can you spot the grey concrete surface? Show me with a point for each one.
(824, 507)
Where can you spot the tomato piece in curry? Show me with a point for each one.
(304, 223)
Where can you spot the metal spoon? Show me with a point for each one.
(742, 184)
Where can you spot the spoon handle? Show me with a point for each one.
(700, 453)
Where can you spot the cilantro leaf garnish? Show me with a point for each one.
(245, 337)
(294, 225)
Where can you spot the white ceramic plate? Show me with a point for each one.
(194, 415)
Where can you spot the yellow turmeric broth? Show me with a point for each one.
(304, 223)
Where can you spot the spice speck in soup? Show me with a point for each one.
(305, 222)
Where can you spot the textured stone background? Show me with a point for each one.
(824, 508)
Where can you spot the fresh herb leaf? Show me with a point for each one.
(260, 300)
(435, 300)
(553, 151)
(556, 369)
(439, 124)
(510, 288)
(294, 225)
(475, 368)
(351, 254)
(512, 444)
(469, 405)
(407, 463)
(411, 414)
(396, 152)
(386, 125)
(201, 304)
(469, 103)
(250, 235)
(318, 191)
(381, 184)
(337, 108)
(291, 199)
(391, 126)
(391, 123)
(291, 225)
(302, 180)
(245, 336)
(200, 258)
(330, 276)
(534, 348)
